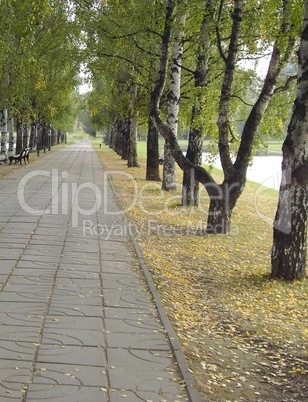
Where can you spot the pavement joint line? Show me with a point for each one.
(42, 326)
(157, 359)
(25, 387)
(107, 390)
(33, 232)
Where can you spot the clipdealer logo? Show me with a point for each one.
(60, 205)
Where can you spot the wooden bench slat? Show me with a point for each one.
(24, 155)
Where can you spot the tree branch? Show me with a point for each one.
(242, 100)
(144, 50)
(222, 55)
(287, 84)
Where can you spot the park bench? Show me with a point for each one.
(3, 158)
(24, 155)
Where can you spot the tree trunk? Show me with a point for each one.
(38, 136)
(25, 135)
(19, 136)
(219, 217)
(289, 249)
(223, 198)
(112, 136)
(53, 136)
(290, 226)
(190, 187)
(169, 182)
(125, 138)
(152, 169)
(226, 91)
(33, 137)
(3, 130)
(132, 149)
(44, 133)
(119, 131)
(11, 134)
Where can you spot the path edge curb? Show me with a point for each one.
(191, 386)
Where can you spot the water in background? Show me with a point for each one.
(265, 170)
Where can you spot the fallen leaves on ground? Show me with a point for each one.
(244, 336)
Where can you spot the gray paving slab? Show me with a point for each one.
(64, 393)
(63, 349)
(9, 319)
(71, 310)
(79, 319)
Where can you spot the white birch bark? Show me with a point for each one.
(174, 104)
(290, 227)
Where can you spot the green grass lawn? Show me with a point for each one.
(74, 136)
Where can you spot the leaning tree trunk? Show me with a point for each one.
(152, 170)
(290, 226)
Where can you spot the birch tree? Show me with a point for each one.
(190, 187)
(174, 95)
(289, 248)
(224, 196)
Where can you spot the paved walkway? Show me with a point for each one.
(77, 318)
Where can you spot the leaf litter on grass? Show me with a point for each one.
(244, 336)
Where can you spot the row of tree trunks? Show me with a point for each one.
(41, 136)
(118, 137)
(290, 227)
(220, 211)
(122, 137)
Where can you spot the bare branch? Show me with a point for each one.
(287, 84)
(242, 100)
